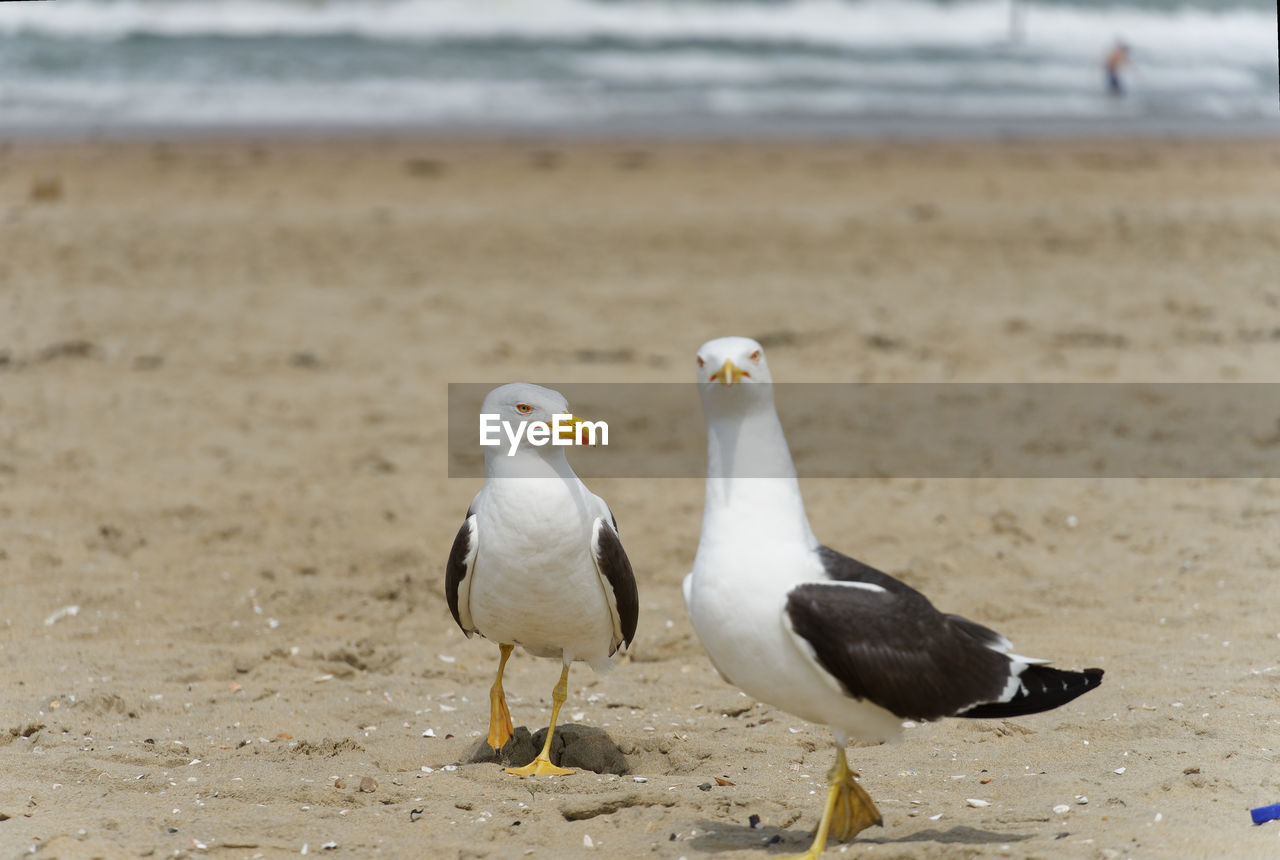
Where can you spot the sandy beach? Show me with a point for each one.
(224, 507)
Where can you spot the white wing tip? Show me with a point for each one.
(1030, 661)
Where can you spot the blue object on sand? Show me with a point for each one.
(1264, 814)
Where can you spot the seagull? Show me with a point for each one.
(814, 632)
(538, 562)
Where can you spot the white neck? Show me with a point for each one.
(527, 462)
(751, 481)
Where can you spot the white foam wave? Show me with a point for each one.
(700, 68)
(370, 101)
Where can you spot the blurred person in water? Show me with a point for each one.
(1117, 59)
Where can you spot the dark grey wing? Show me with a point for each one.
(895, 650)
(619, 580)
(883, 641)
(842, 568)
(457, 573)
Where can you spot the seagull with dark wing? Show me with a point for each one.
(816, 633)
(538, 562)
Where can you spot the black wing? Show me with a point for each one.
(614, 565)
(457, 572)
(842, 568)
(886, 643)
(1040, 688)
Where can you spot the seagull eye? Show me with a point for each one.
(524, 408)
(755, 356)
(702, 362)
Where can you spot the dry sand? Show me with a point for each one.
(222, 383)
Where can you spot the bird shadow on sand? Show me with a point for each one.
(716, 836)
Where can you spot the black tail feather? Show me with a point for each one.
(1043, 689)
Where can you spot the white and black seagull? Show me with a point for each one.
(538, 562)
(816, 633)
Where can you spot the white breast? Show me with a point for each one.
(535, 581)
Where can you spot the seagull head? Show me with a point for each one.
(733, 377)
(523, 402)
(732, 361)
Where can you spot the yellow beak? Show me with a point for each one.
(729, 374)
(569, 428)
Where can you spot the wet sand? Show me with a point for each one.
(222, 442)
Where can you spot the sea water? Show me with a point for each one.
(639, 64)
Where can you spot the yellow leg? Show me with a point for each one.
(542, 766)
(500, 728)
(854, 810)
(848, 810)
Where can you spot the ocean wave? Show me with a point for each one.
(857, 23)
